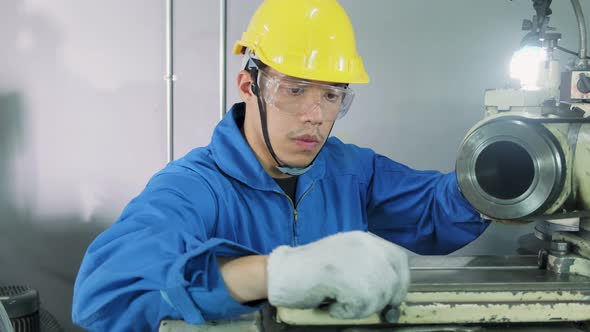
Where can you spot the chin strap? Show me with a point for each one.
(282, 167)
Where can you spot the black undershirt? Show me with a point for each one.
(289, 186)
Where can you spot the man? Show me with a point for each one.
(272, 208)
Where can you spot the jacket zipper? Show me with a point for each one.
(294, 240)
(293, 228)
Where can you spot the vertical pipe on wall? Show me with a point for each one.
(581, 30)
(169, 80)
(222, 56)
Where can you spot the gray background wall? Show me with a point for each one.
(82, 106)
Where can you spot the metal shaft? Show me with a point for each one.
(222, 56)
(169, 79)
(581, 28)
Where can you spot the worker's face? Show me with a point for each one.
(300, 116)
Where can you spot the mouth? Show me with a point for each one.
(307, 142)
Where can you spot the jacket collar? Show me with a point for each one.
(234, 156)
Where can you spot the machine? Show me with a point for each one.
(528, 160)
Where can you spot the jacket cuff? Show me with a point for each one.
(195, 286)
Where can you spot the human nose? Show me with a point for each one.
(312, 111)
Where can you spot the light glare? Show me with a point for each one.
(527, 65)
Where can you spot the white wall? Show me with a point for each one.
(82, 106)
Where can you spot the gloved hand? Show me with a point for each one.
(359, 271)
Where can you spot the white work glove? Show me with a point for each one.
(360, 272)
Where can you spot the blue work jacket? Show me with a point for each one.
(159, 259)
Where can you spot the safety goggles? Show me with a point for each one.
(296, 97)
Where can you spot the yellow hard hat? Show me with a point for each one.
(308, 39)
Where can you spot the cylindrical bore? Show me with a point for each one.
(511, 169)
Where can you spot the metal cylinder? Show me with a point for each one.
(581, 171)
(22, 306)
(515, 168)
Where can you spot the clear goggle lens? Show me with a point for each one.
(296, 97)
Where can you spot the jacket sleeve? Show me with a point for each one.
(424, 211)
(158, 261)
